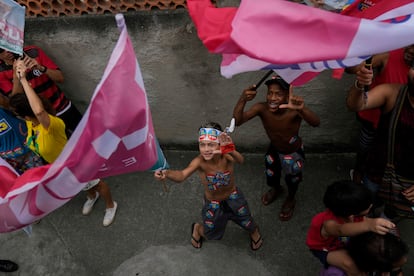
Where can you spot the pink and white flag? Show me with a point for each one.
(115, 136)
(299, 41)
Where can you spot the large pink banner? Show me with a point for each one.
(115, 136)
(299, 41)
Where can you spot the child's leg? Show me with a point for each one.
(341, 259)
(111, 206)
(239, 212)
(288, 207)
(273, 174)
(105, 193)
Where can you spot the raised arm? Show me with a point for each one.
(382, 96)
(31, 63)
(239, 114)
(35, 102)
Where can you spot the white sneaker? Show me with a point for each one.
(110, 215)
(87, 207)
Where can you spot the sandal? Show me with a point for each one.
(256, 244)
(271, 195)
(286, 212)
(199, 242)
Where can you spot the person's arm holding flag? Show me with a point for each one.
(35, 102)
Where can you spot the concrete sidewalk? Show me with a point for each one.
(151, 232)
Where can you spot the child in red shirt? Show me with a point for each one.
(347, 204)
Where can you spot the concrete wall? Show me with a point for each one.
(182, 78)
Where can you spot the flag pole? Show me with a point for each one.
(120, 21)
(263, 79)
(368, 65)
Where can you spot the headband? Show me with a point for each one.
(208, 134)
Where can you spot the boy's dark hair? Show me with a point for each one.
(345, 198)
(279, 81)
(212, 125)
(21, 106)
(373, 252)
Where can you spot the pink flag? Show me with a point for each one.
(115, 136)
(299, 41)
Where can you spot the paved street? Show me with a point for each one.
(151, 233)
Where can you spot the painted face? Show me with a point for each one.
(275, 97)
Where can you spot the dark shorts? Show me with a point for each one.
(291, 164)
(216, 214)
(71, 117)
(322, 256)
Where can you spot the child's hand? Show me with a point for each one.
(30, 62)
(294, 102)
(20, 68)
(160, 174)
(226, 143)
(249, 93)
(380, 226)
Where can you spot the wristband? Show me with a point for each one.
(227, 148)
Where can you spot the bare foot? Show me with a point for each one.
(270, 196)
(288, 207)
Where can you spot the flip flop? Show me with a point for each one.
(254, 243)
(199, 242)
(271, 195)
(286, 212)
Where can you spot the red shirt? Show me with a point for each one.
(315, 241)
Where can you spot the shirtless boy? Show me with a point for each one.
(281, 115)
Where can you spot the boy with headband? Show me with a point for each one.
(223, 200)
